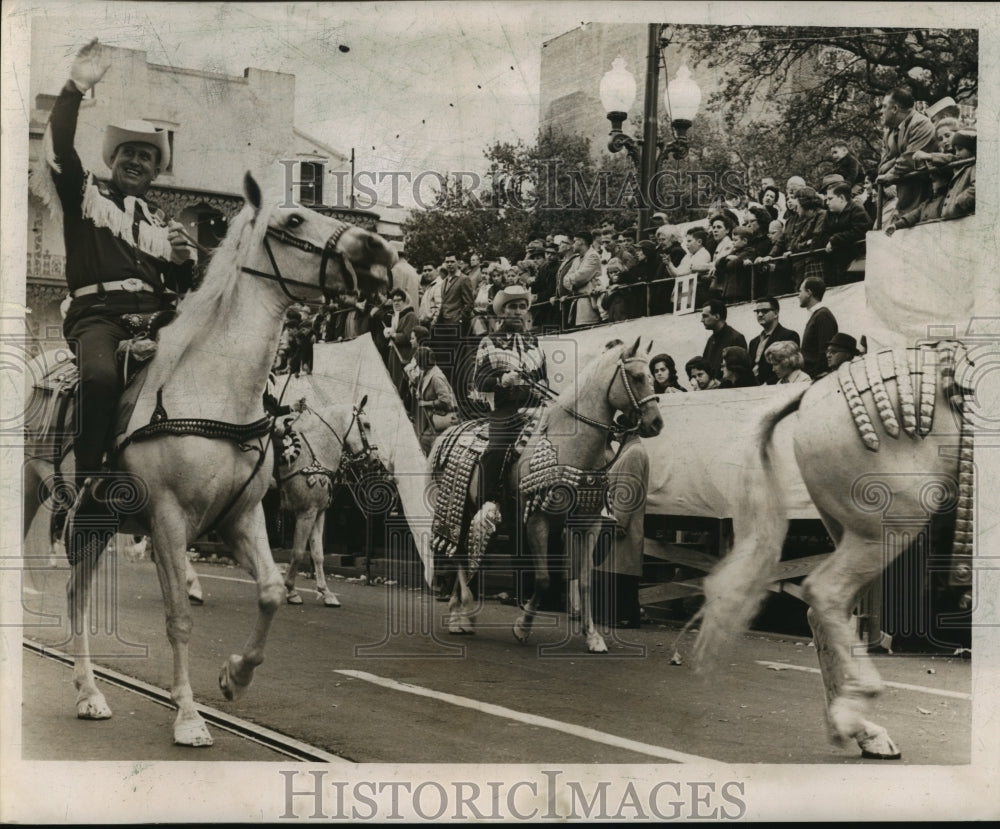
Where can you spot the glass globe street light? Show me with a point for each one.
(682, 97)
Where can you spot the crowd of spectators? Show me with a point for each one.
(797, 240)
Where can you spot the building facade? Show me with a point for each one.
(219, 127)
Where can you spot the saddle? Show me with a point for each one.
(54, 395)
(456, 461)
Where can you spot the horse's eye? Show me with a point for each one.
(295, 221)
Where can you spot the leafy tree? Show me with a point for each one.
(462, 221)
(787, 92)
(531, 191)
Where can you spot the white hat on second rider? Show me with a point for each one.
(509, 294)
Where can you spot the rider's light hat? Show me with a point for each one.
(140, 132)
(509, 294)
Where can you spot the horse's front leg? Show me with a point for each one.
(316, 549)
(584, 540)
(90, 702)
(247, 538)
(304, 521)
(169, 536)
(537, 533)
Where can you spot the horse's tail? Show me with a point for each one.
(735, 590)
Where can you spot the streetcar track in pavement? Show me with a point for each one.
(275, 741)
(579, 731)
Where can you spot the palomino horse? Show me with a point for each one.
(318, 452)
(561, 471)
(875, 436)
(201, 467)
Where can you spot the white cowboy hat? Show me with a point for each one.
(509, 294)
(139, 132)
(939, 107)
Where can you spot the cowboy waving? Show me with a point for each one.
(122, 260)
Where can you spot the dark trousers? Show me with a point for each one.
(505, 426)
(94, 339)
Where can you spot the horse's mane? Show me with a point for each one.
(572, 392)
(198, 310)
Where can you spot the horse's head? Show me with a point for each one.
(631, 390)
(305, 251)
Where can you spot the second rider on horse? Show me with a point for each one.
(510, 365)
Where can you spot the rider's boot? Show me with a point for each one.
(91, 522)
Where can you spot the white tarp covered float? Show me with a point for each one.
(697, 462)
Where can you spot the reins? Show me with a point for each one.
(610, 428)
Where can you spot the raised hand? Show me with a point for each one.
(89, 66)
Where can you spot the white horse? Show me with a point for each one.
(559, 474)
(865, 439)
(318, 453)
(205, 464)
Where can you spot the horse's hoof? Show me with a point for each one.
(876, 744)
(330, 600)
(231, 689)
(521, 633)
(93, 708)
(294, 598)
(192, 733)
(462, 626)
(596, 644)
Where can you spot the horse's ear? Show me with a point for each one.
(635, 347)
(361, 405)
(251, 189)
(649, 349)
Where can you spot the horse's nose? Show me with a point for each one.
(657, 424)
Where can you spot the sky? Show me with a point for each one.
(409, 86)
(421, 86)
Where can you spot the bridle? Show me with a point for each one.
(636, 403)
(327, 252)
(634, 400)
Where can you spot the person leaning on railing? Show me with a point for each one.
(928, 210)
(961, 197)
(954, 188)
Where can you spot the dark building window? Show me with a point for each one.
(311, 183)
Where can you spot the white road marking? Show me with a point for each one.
(533, 719)
(784, 666)
(251, 581)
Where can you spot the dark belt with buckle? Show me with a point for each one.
(132, 285)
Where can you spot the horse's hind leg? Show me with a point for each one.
(316, 548)
(849, 677)
(169, 534)
(247, 537)
(304, 521)
(537, 533)
(90, 702)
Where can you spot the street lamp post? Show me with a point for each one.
(681, 98)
